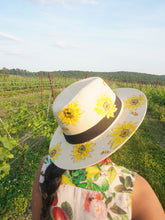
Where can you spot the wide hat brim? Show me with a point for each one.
(75, 156)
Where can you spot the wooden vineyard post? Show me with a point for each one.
(139, 83)
(157, 83)
(4, 85)
(50, 78)
(41, 86)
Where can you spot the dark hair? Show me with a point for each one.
(53, 176)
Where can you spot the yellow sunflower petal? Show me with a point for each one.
(81, 151)
(120, 134)
(105, 106)
(70, 114)
(54, 152)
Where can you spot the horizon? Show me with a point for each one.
(85, 35)
(123, 71)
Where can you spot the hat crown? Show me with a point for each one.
(83, 104)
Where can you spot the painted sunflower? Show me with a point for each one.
(134, 102)
(105, 106)
(121, 133)
(70, 114)
(81, 151)
(54, 152)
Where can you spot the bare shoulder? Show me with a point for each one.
(145, 204)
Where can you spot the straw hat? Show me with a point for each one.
(94, 121)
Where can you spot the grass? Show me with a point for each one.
(143, 153)
(157, 129)
(16, 188)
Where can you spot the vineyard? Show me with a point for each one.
(27, 124)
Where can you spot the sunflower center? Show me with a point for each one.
(134, 101)
(106, 106)
(68, 113)
(124, 133)
(53, 153)
(81, 149)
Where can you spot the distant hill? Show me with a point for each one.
(123, 76)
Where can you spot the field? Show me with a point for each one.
(27, 124)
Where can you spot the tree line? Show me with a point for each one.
(120, 76)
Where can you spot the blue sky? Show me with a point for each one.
(89, 35)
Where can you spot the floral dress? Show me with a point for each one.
(102, 191)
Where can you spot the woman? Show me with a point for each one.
(77, 180)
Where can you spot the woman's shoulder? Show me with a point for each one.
(145, 202)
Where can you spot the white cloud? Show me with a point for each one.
(65, 45)
(9, 37)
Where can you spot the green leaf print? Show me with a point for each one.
(119, 188)
(77, 179)
(116, 218)
(99, 166)
(78, 172)
(116, 209)
(42, 173)
(111, 174)
(108, 200)
(121, 179)
(124, 217)
(96, 187)
(128, 182)
(113, 194)
(109, 216)
(82, 185)
(126, 171)
(90, 184)
(68, 209)
(96, 177)
(104, 185)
